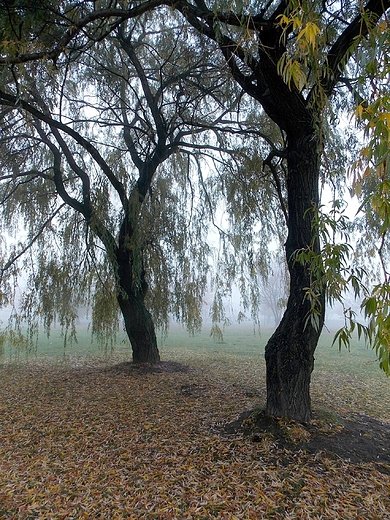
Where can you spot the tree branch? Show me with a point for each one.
(10, 100)
(150, 98)
(77, 27)
(343, 47)
(11, 261)
(85, 210)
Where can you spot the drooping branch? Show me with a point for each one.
(12, 260)
(28, 176)
(11, 100)
(77, 27)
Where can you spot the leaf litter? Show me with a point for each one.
(94, 440)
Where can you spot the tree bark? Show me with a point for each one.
(139, 328)
(131, 295)
(289, 353)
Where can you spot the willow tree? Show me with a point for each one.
(294, 59)
(82, 146)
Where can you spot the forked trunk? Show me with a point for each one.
(289, 353)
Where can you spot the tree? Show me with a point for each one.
(82, 145)
(292, 58)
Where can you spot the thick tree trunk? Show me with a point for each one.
(289, 358)
(140, 329)
(138, 320)
(289, 353)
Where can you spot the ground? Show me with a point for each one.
(357, 438)
(104, 439)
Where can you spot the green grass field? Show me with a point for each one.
(240, 341)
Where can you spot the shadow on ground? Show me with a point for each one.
(358, 438)
(127, 367)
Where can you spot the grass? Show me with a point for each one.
(85, 437)
(240, 341)
(346, 381)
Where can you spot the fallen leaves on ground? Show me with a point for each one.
(87, 441)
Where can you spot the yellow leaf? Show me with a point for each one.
(284, 20)
(309, 34)
(359, 111)
(297, 23)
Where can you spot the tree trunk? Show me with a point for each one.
(138, 320)
(289, 353)
(140, 329)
